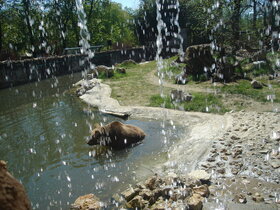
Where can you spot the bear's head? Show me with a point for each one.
(94, 139)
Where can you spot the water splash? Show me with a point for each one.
(181, 40)
(159, 44)
(85, 38)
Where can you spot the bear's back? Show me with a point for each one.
(123, 135)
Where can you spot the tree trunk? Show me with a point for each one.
(91, 9)
(1, 37)
(255, 15)
(264, 17)
(236, 24)
(26, 4)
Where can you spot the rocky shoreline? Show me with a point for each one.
(240, 150)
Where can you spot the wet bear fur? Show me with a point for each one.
(116, 135)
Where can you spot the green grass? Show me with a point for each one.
(116, 76)
(272, 57)
(243, 87)
(201, 102)
(257, 70)
(170, 71)
(134, 88)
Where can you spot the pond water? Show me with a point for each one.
(42, 134)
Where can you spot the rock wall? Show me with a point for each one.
(18, 72)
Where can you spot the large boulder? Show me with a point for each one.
(12, 193)
(102, 70)
(256, 84)
(180, 96)
(121, 70)
(198, 58)
(84, 85)
(181, 78)
(195, 202)
(200, 175)
(225, 71)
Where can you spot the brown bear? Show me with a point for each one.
(116, 135)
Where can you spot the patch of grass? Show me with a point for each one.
(134, 88)
(272, 57)
(116, 76)
(243, 87)
(201, 102)
(171, 70)
(158, 101)
(257, 69)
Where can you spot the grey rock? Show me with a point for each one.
(258, 198)
(234, 171)
(240, 198)
(137, 202)
(195, 202)
(181, 78)
(202, 190)
(221, 170)
(121, 70)
(264, 151)
(233, 137)
(180, 96)
(200, 175)
(256, 84)
(130, 193)
(86, 202)
(275, 164)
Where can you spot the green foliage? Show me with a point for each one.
(243, 87)
(201, 102)
(116, 76)
(158, 101)
(257, 69)
(25, 27)
(198, 78)
(272, 59)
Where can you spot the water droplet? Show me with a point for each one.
(68, 178)
(33, 151)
